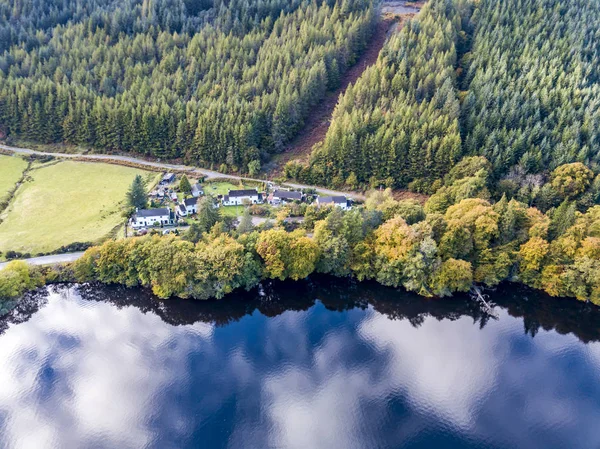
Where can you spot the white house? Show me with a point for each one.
(239, 197)
(151, 217)
(284, 196)
(187, 207)
(197, 190)
(337, 201)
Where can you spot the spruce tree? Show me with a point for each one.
(185, 186)
(136, 196)
(208, 214)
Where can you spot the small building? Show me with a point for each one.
(197, 190)
(284, 196)
(168, 178)
(187, 207)
(152, 217)
(337, 201)
(239, 197)
(158, 193)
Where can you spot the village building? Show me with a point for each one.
(240, 197)
(197, 190)
(187, 207)
(337, 201)
(168, 178)
(152, 217)
(284, 196)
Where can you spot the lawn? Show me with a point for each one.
(11, 169)
(219, 188)
(65, 203)
(231, 211)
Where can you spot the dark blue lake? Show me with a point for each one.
(316, 364)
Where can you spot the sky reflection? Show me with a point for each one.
(87, 372)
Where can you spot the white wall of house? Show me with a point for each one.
(142, 222)
(240, 200)
(343, 206)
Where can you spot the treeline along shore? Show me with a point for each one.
(457, 239)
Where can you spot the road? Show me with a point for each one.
(208, 174)
(50, 260)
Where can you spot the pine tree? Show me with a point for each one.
(136, 196)
(185, 186)
(208, 214)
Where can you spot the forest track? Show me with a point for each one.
(191, 171)
(317, 124)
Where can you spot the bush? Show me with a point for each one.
(17, 278)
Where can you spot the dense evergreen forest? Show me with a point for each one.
(399, 123)
(513, 80)
(215, 81)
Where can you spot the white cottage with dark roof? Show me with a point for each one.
(197, 190)
(337, 201)
(187, 207)
(152, 217)
(239, 197)
(284, 196)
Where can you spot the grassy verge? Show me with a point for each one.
(64, 203)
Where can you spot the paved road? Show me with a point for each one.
(208, 174)
(50, 260)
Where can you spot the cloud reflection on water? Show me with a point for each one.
(88, 374)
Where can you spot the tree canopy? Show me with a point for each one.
(213, 81)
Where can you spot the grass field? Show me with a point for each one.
(65, 203)
(11, 169)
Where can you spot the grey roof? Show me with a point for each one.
(190, 201)
(285, 195)
(153, 212)
(182, 208)
(197, 187)
(238, 193)
(168, 176)
(332, 199)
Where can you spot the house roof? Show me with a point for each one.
(153, 212)
(168, 176)
(190, 201)
(182, 208)
(332, 199)
(238, 193)
(197, 188)
(285, 195)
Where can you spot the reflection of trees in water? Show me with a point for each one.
(25, 309)
(538, 310)
(274, 298)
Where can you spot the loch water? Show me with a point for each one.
(322, 363)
